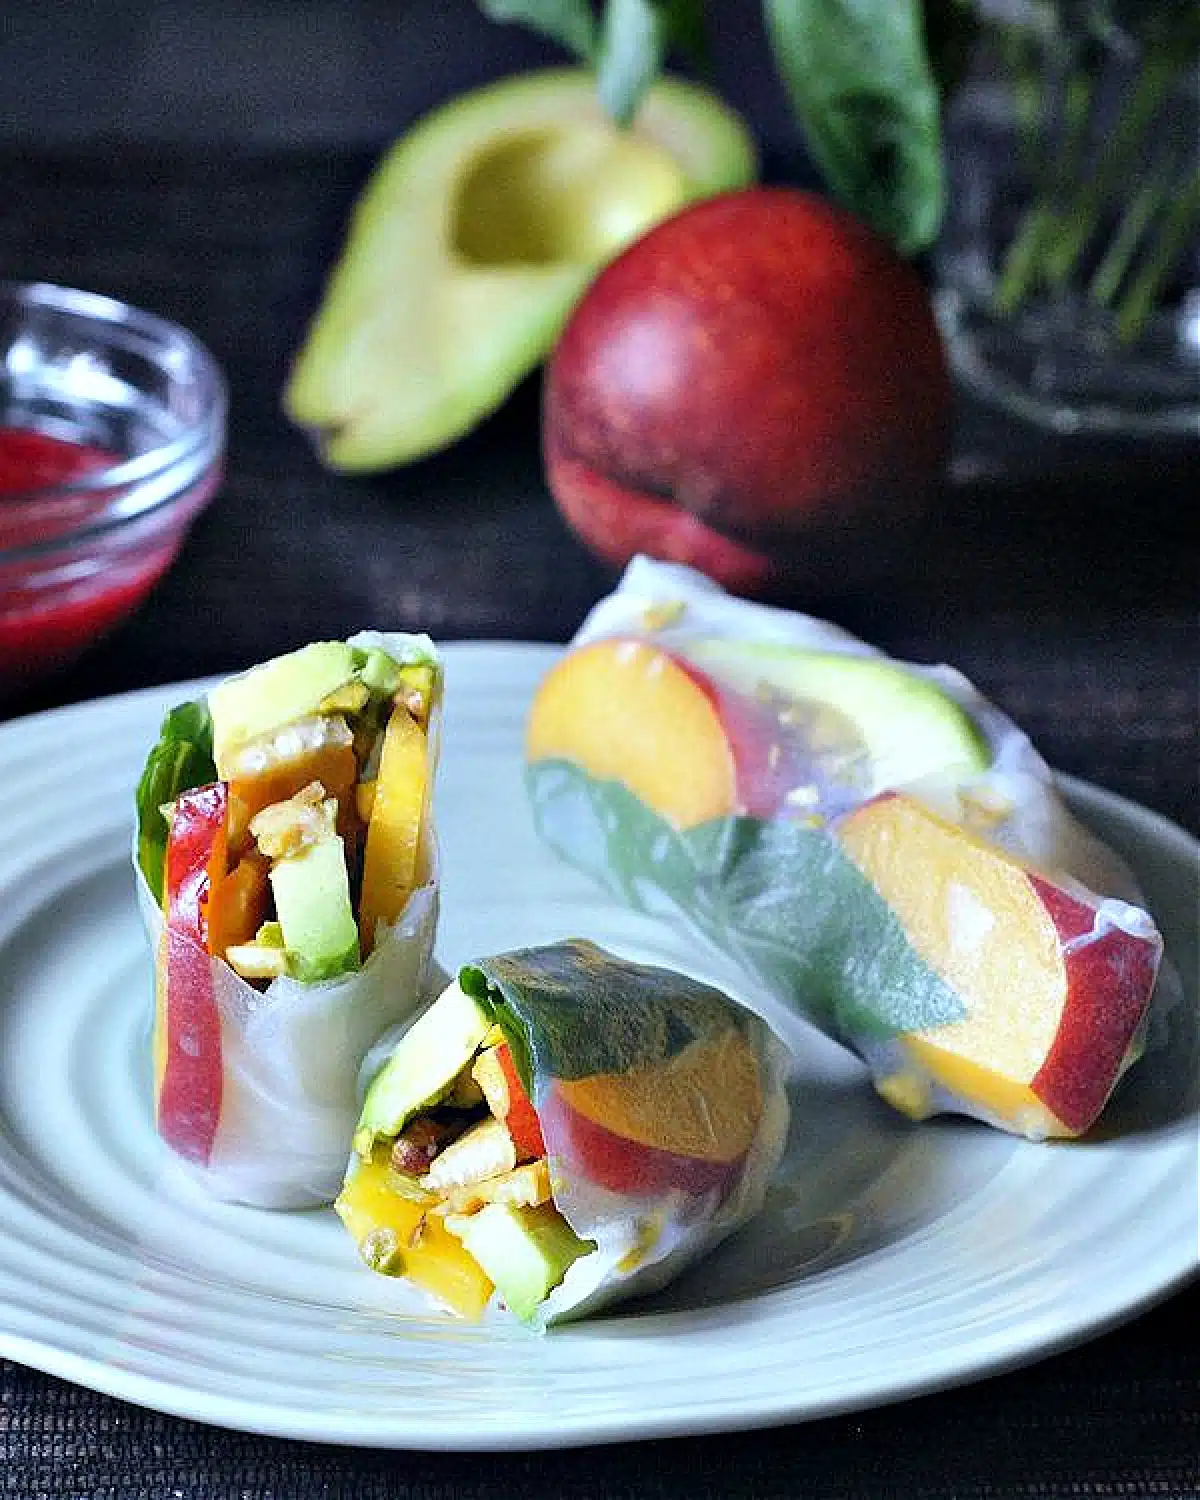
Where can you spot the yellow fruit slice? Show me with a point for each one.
(623, 710)
(425, 1253)
(673, 1106)
(394, 833)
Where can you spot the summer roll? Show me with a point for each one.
(561, 1129)
(287, 873)
(881, 849)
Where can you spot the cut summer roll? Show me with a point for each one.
(876, 844)
(562, 1129)
(287, 875)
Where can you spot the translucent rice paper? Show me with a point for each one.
(643, 1036)
(292, 1053)
(777, 893)
(290, 1058)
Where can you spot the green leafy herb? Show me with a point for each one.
(628, 47)
(570, 23)
(181, 759)
(633, 48)
(574, 1010)
(779, 897)
(635, 40)
(862, 87)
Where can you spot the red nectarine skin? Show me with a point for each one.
(764, 361)
(1108, 979)
(687, 745)
(767, 762)
(188, 1107)
(617, 523)
(625, 1166)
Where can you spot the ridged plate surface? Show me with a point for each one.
(890, 1260)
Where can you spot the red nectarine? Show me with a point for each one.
(687, 747)
(757, 379)
(1054, 991)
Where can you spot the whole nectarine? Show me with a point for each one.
(756, 384)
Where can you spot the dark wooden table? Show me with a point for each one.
(1063, 581)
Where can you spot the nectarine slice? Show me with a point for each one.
(627, 711)
(1054, 990)
(705, 1102)
(391, 862)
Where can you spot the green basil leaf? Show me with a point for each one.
(862, 88)
(577, 1010)
(633, 48)
(181, 759)
(780, 898)
(636, 37)
(570, 23)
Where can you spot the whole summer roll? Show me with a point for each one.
(287, 874)
(563, 1129)
(881, 849)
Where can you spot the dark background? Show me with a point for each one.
(199, 159)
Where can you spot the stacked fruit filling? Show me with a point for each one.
(450, 1186)
(309, 834)
(281, 822)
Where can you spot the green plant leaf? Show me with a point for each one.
(633, 48)
(570, 23)
(181, 759)
(635, 38)
(578, 1010)
(780, 898)
(862, 88)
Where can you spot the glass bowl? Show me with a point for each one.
(112, 440)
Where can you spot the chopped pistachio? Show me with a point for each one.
(381, 1250)
(295, 824)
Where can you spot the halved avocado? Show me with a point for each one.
(473, 240)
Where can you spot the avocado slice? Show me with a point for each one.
(278, 692)
(312, 903)
(885, 725)
(474, 239)
(525, 1251)
(426, 1061)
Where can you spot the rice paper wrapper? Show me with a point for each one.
(292, 1054)
(662, 1105)
(860, 893)
(291, 1057)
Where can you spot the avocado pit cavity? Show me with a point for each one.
(570, 193)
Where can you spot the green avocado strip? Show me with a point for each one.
(182, 758)
(572, 1010)
(780, 897)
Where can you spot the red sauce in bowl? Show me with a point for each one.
(46, 620)
(33, 460)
